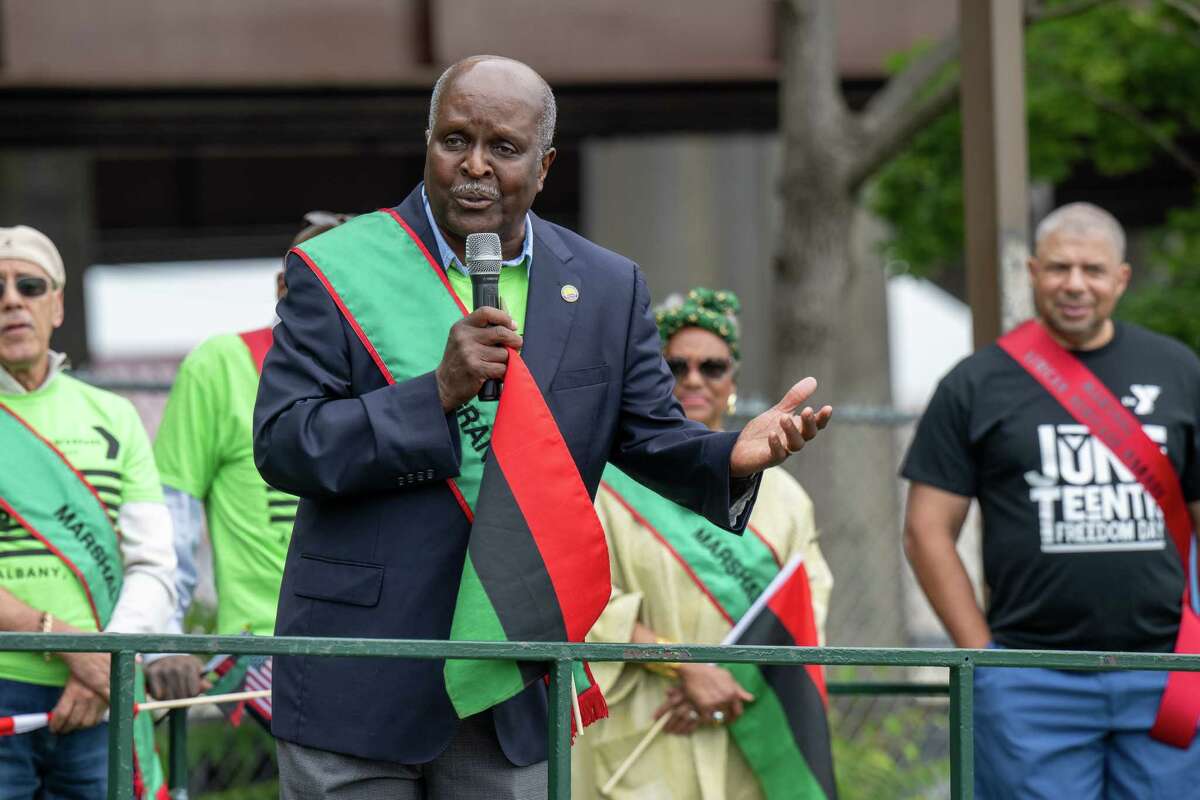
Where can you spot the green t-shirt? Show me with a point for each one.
(103, 438)
(514, 291)
(204, 447)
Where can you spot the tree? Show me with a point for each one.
(829, 306)
(1113, 89)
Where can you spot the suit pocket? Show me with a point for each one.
(578, 378)
(348, 582)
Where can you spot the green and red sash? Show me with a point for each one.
(1090, 402)
(54, 502)
(784, 733)
(537, 563)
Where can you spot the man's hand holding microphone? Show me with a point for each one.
(476, 354)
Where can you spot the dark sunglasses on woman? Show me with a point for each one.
(712, 369)
(27, 286)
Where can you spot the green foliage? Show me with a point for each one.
(1166, 299)
(885, 757)
(893, 747)
(268, 790)
(224, 762)
(200, 618)
(1109, 88)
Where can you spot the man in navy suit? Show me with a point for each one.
(380, 541)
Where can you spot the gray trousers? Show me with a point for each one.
(472, 767)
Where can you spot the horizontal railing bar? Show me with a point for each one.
(888, 688)
(553, 651)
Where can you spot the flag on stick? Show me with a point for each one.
(784, 733)
(242, 673)
(24, 723)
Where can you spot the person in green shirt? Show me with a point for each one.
(205, 457)
(60, 537)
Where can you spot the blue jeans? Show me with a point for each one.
(1059, 735)
(44, 765)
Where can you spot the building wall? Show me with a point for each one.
(172, 42)
(135, 43)
(692, 210)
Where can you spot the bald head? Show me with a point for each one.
(513, 71)
(1082, 220)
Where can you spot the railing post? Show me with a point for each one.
(120, 725)
(559, 768)
(962, 730)
(178, 720)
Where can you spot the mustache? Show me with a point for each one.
(475, 189)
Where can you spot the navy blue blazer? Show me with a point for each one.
(379, 541)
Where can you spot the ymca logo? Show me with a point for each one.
(1144, 397)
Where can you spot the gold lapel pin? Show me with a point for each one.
(569, 293)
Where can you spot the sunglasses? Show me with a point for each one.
(712, 369)
(27, 286)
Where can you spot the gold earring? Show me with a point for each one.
(731, 403)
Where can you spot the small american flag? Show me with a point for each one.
(258, 677)
(238, 674)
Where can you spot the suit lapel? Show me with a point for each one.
(412, 210)
(548, 317)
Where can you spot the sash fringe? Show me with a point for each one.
(592, 707)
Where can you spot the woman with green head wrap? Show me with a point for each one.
(700, 344)
(659, 595)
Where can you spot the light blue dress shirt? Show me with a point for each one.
(446, 255)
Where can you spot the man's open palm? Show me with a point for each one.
(778, 432)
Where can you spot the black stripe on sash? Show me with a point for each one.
(12, 553)
(100, 473)
(293, 503)
(511, 570)
(799, 697)
(275, 520)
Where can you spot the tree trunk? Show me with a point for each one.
(832, 324)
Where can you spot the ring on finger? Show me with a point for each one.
(693, 715)
(717, 716)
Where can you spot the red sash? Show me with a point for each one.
(258, 342)
(1091, 403)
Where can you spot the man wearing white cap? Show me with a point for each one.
(85, 539)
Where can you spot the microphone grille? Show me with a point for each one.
(483, 254)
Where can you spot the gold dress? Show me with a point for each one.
(650, 586)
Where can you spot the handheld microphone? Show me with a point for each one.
(483, 265)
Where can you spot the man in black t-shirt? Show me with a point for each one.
(1076, 554)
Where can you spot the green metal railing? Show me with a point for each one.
(559, 657)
